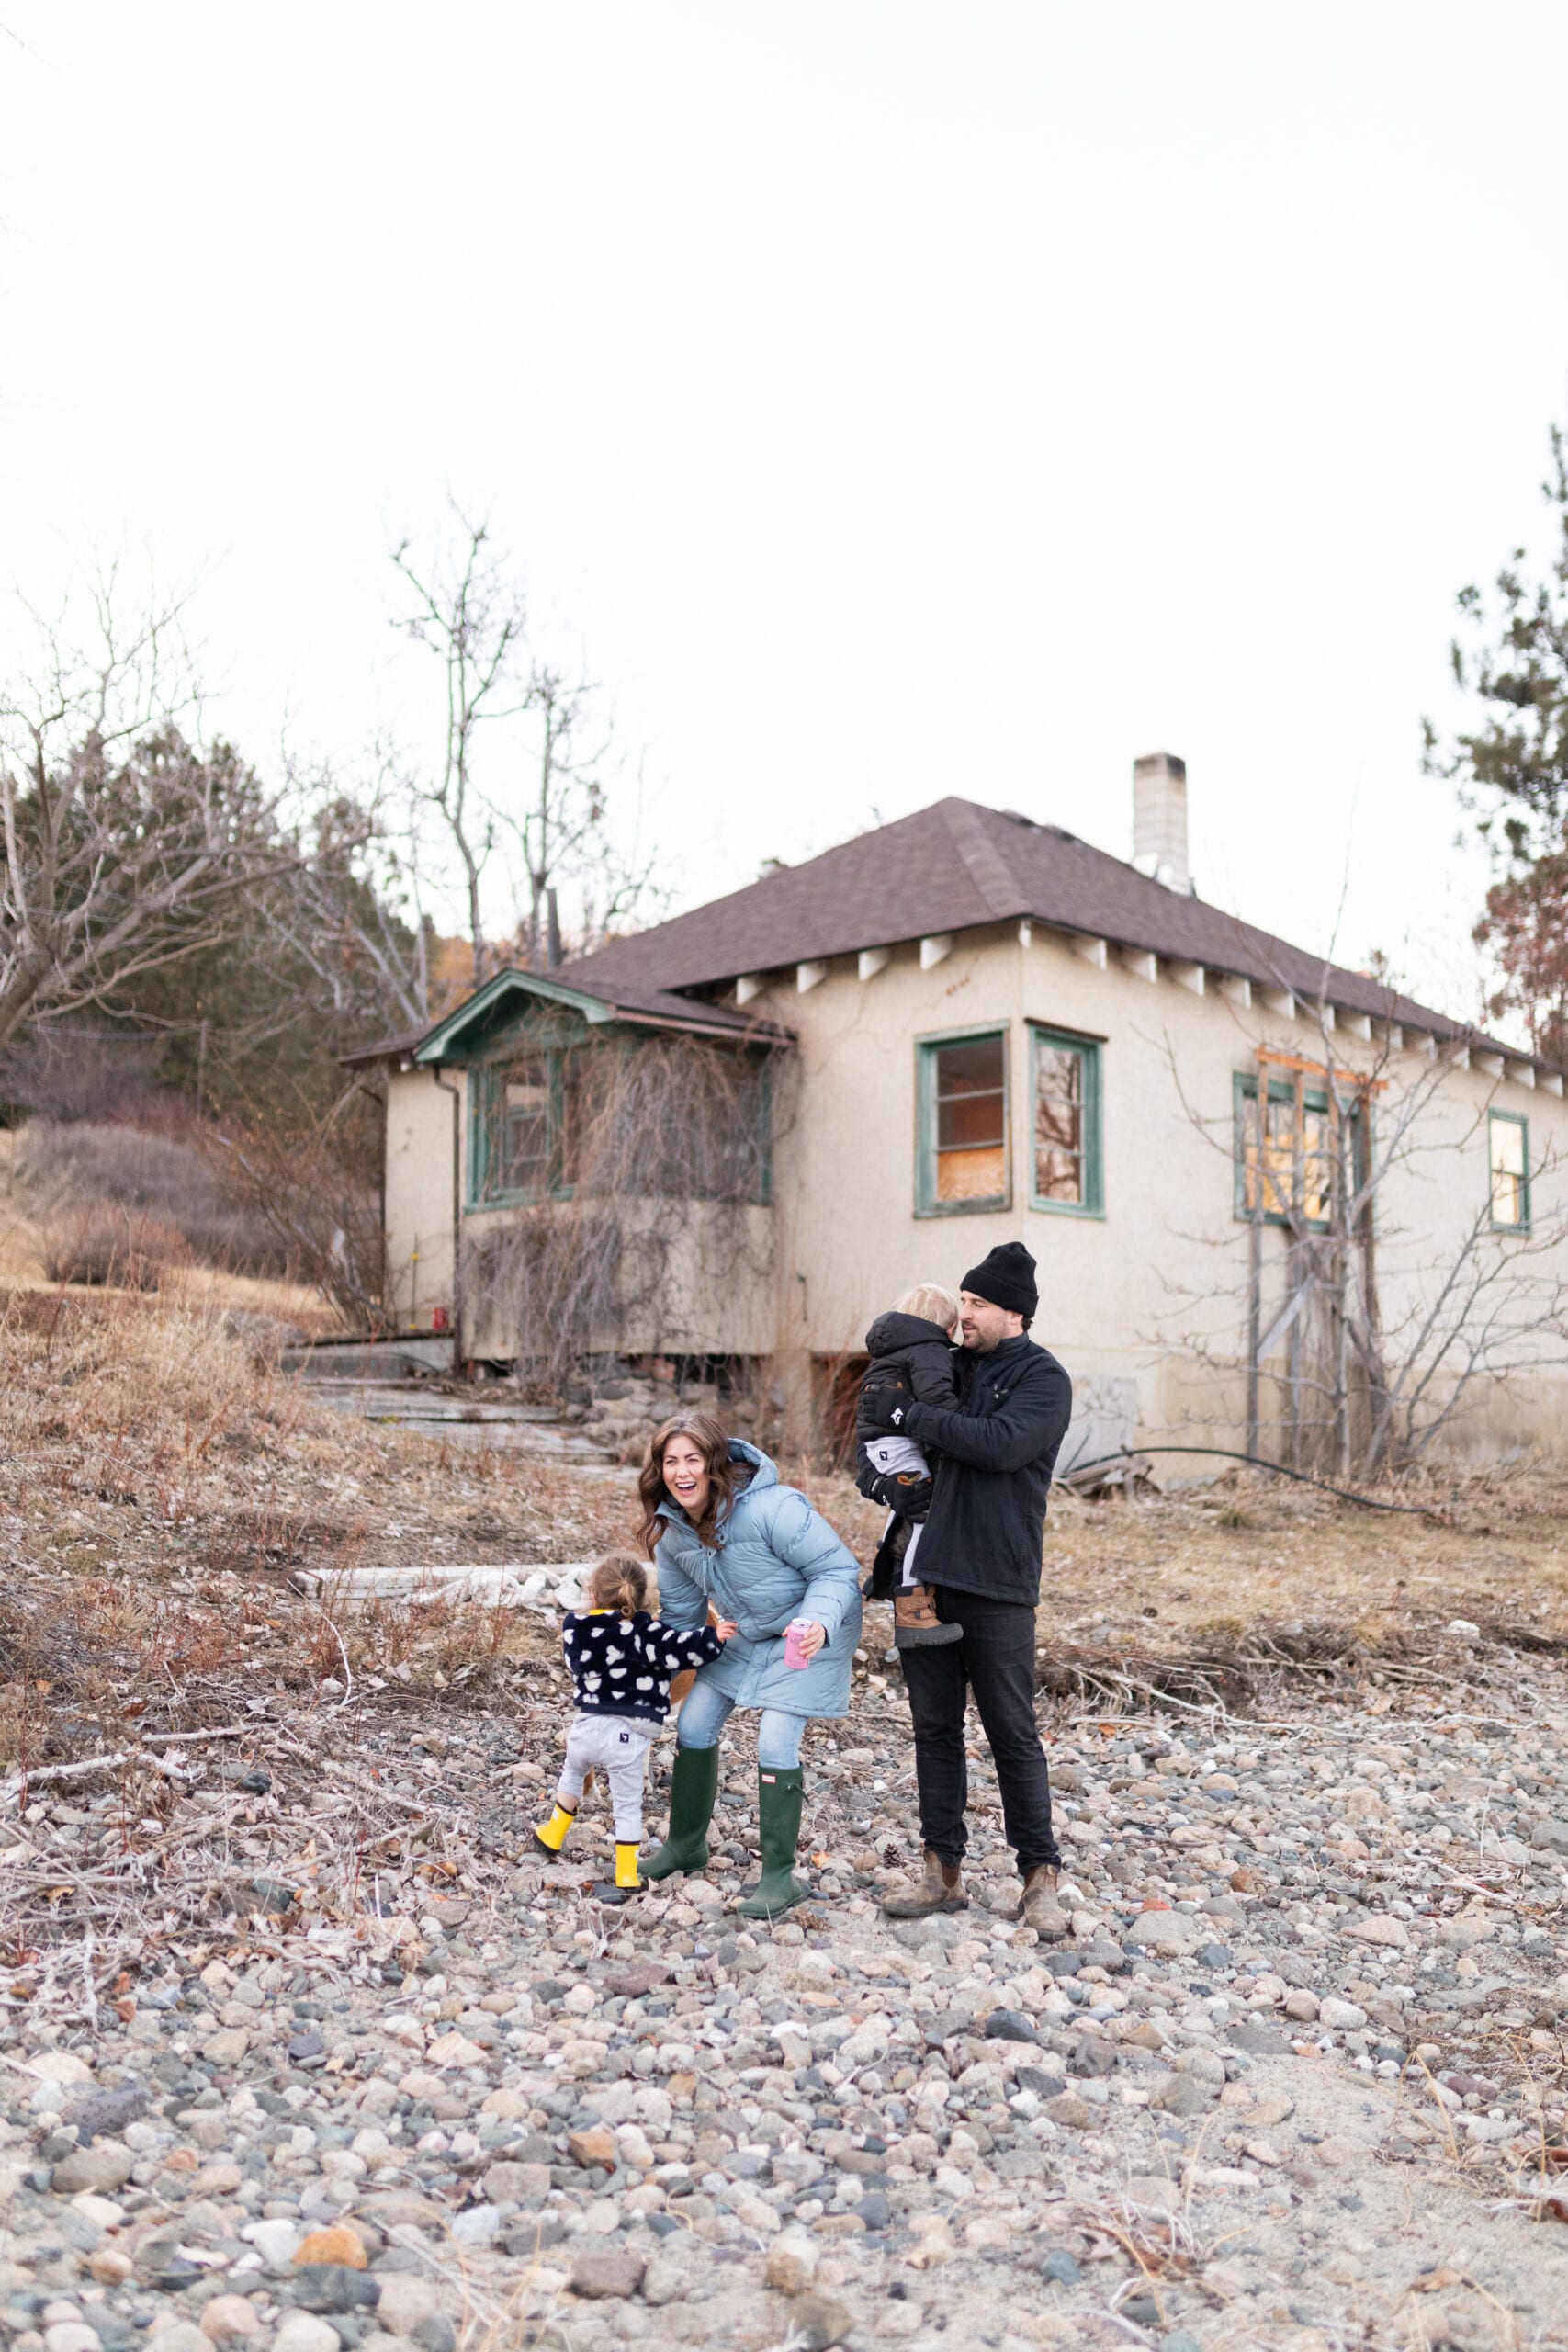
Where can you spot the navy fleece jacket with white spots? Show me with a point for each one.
(623, 1666)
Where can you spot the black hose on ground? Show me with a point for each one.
(1280, 1470)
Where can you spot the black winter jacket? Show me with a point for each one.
(911, 1360)
(997, 1449)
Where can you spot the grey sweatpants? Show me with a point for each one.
(897, 1456)
(620, 1751)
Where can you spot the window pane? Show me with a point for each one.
(1278, 1153)
(1317, 1168)
(1058, 1123)
(970, 1143)
(971, 1175)
(524, 1126)
(1296, 1168)
(1058, 1176)
(585, 1078)
(1507, 1140)
(974, 1067)
(966, 1120)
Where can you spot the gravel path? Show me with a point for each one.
(1312, 2097)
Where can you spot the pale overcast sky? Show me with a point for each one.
(884, 399)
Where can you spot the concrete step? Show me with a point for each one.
(503, 1426)
(382, 1400)
(372, 1359)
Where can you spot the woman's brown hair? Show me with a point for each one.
(619, 1582)
(712, 1443)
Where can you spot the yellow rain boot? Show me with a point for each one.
(628, 1880)
(552, 1836)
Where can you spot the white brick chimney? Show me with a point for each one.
(1159, 819)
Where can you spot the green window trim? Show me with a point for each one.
(927, 1074)
(485, 1080)
(1087, 1054)
(1500, 1126)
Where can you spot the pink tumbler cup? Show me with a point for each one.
(794, 1637)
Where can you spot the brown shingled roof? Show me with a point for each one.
(955, 867)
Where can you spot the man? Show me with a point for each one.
(981, 1551)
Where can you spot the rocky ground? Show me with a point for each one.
(1296, 2079)
(301, 2044)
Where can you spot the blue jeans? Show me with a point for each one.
(707, 1711)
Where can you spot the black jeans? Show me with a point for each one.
(996, 1661)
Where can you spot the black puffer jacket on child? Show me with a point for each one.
(912, 1361)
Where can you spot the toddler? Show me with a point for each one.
(912, 1358)
(622, 1662)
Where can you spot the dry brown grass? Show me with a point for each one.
(87, 1248)
(158, 1478)
(1253, 1561)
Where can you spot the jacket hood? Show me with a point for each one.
(764, 1473)
(892, 1332)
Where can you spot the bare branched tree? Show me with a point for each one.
(352, 911)
(561, 827)
(547, 815)
(1373, 1333)
(124, 845)
(473, 619)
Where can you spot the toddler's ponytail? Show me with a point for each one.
(620, 1583)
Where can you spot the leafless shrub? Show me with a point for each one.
(104, 1246)
(669, 1144)
(299, 1183)
(118, 1205)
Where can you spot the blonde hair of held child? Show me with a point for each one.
(619, 1582)
(932, 1301)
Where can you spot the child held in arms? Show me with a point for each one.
(912, 1359)
(622, 1661)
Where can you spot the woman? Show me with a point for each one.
(722, 1532)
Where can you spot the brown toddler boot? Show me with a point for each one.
(916, 1625)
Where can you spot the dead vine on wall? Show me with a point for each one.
(663, 1154)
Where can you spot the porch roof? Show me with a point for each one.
(642, 1008)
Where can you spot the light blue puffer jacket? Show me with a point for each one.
(775, 1560)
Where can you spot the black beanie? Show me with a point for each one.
(1005, 1276)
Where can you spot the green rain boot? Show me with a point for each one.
(694, 1785)
(779, 1799)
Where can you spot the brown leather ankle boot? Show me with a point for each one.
(938, 1887)
(1038, 1907)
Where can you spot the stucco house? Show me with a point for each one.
(1249, 1175)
